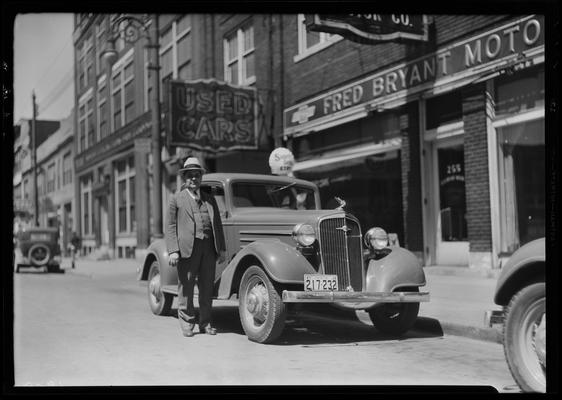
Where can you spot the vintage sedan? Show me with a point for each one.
(37, 247)
(284, 250)
(521, 291)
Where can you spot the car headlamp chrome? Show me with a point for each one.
(376, 238)
(304, 234)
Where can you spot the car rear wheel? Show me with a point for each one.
(160, 302)
(262, 312)
(395, 318)
(525, 338)
(39, 254)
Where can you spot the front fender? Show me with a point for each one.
(159, 252)
(398, 269)
(283, 264)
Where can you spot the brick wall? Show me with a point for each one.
(411, 179)
(476, 169)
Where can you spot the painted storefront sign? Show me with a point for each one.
(212, 116)
(468, 57)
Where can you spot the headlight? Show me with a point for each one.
(304, 234)
(376, 238)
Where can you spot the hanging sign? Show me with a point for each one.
(213, 116)
(370, 28)
(281, 161)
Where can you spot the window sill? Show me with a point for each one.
(316, 48)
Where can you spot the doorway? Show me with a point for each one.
(104, 226)
(449, 202)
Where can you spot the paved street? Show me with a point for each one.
(95, 329)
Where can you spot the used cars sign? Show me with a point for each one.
(213, 116)
(371, 28)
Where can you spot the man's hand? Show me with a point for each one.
(173, 260)
(222, 256)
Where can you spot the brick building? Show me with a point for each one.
(425, 138)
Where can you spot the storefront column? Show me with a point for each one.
(142, 201)
(78, 206)
(96, 211)
(477, 176)
(111, 210)
(411, 180)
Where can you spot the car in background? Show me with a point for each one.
(520, 290)
(283, 251)
(37, 247)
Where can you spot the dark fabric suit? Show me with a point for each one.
(197, 256)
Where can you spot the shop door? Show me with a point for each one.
(452, 246)
(104, 227)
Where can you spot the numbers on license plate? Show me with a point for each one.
(320, 283)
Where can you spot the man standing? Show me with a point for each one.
(194, 238)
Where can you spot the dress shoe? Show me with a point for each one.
(187, 332)
(209, 330)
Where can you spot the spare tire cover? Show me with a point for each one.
(39, 254)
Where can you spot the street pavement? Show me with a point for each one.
(459, 296)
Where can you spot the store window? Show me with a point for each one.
(125, 196)
(86, 205)
(239, 57)
(519, 103)
(123, 92)
(311, 42)
(452, 194)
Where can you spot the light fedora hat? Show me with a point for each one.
(192, 163)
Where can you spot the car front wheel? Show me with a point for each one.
(395, 318)
(525, 338)
(160, 302)
(262, 312)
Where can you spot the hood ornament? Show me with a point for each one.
(344, 228)
(341, 202)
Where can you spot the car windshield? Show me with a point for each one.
(277, 195)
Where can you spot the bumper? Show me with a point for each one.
(493, 317)
(354, 297)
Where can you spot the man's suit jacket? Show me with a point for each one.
(180, 232)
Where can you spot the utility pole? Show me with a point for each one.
(34, 161)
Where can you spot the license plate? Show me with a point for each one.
(320, 283)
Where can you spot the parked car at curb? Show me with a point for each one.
(284, 251)
(37, 247)
(520, 290)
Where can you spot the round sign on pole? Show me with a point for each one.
(281, 161)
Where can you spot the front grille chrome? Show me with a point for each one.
(341, 251)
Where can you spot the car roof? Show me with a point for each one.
(41, 229)
(226, 177)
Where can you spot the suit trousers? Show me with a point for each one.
(200, 266)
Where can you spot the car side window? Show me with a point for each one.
(217, 191)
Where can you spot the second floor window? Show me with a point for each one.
(85, 64)
(239, 57)
(101, 41)
(86, 127)
(311, 42)
(123, 92)
(51, 178)
(66, 169)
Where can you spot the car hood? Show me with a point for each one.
(276, 216)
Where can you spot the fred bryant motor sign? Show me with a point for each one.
(213, 116)
(457, 61)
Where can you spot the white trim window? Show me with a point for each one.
(312, 42)
(86, 126)
(239, 57)
(86, 205)
(123, 92)
(51, 177)
(103, 112)
(125, 220)
(85, 64)
(66, 169)
(176, 51)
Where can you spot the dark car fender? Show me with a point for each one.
(400, 268)
(282, 263)
(158, 251)
(525, 265)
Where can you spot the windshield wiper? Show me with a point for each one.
(283, 187)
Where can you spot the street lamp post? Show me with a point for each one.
(131, 28)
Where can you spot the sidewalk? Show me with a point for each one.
(459, 296)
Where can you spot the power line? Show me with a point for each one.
(52, 63)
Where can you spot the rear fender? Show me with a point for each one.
(400, 268)
(283, 264)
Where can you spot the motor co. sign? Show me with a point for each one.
(370, 28)
(212, 116)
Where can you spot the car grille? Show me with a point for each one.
(341, 251)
